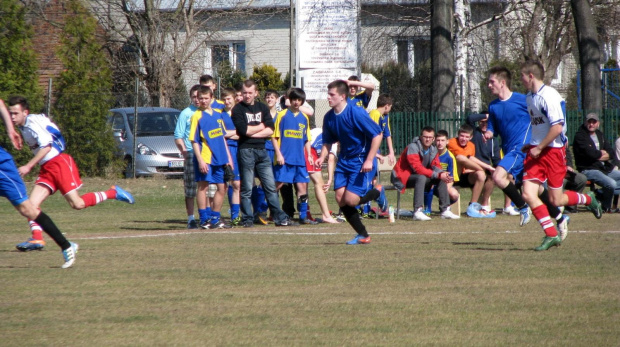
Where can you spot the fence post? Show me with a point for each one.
(48, 105)
(135, 132)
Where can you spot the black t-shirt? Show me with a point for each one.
(244, 115)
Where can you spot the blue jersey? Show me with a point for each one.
(354, 129)
(208, 132)
(11, 184)
(218, 105)
(360, 99)
(510, 120)
(292, 132)
(448, 164)
(184, 123)
(230, 126)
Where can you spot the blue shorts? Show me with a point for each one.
(12, 186)
(291, 173)
(348, 175)
(513, 164)
(233, 154)
(215, 174)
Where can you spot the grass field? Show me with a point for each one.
(141, 278)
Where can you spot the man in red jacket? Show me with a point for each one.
(419, 167)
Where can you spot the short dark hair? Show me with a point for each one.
(354, 78)
(194, 88)
(228, 91)
(205, 90)
(535, 67)
(19, 100)
(502, 73)
(466, 128)
(297, 94)
(442, 133)
(341, 87)
(204, 79)
(427, 129)
(271, 92)
(383, 100)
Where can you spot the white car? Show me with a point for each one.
(156, 152)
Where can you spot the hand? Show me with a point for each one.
(535, 152)
(16, 140)
(279, 159)
(310, 160)
(318, 164)
(488, 135)
(232, 166)
(203, 167)
(380, 158)
(367, 166)
(391, 159)
(24, 170)
(327, 185)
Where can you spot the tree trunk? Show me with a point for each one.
(460, 52)
(589, 56)
(442, 56)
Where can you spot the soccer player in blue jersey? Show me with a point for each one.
(359, 139)
(184, 144)
(13, 188)
(234, 189)
(357, 97)
(508, 118)
(448, 164)
(209, 81)
(381, 115)
(212, 156)
(291, 142)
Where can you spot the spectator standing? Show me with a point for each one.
(183, 143)
(254, 126)
(359, 97)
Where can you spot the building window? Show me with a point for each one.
(225, 55)
(412, 51)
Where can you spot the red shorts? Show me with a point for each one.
(550, 166)
(61, 174)
(315, 156)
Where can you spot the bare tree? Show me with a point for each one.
(165, 41)
(589, 55)
(442, 56)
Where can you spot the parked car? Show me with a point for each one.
(156, 152)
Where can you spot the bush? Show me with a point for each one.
(267, 77)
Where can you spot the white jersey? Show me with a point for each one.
(40, 132)
(546, 108)
(317, 141)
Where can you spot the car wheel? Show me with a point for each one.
(128, 168)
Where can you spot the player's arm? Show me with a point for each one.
(482, 164)
(391, 156)
(202, 166)
(24, 170)
(331, 167)
(324, 153)
(276, 147)
(368, 86)
(374, 147)
(308, 150)
(554, 131)
(231, 163)
(16, 139)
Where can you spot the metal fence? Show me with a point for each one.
(406, 125)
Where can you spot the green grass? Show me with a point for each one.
(142, 279)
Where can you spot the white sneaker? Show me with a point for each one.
(563, 227)
(419, 215)
(447, 214)
(511, 211)
(69, 255)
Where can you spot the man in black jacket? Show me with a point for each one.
(595, 158)
(254, 126)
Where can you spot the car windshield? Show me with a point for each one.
(155, 123)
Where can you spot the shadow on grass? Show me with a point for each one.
(489, 244)
(173, 224)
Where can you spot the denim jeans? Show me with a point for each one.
(421, 184)
(253, 160)
(610, 184)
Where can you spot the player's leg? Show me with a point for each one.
(540, 212)
(477, 179)
(487, 190)
(441, 188)
(356, 191)
(317, 180)
(235, 201)
(421, 183)
(201, 199)
(35, 242)
(264, 170)
(189, 189)
(510, 170)
(246, 161)
(217, 177)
